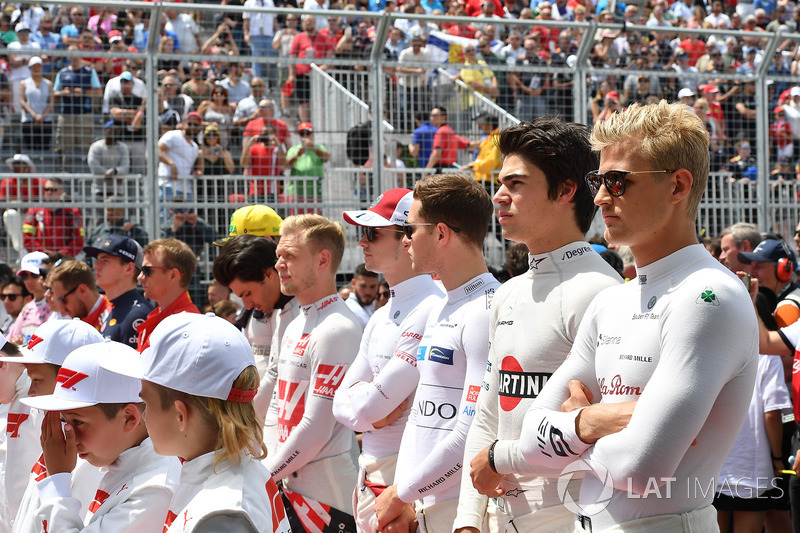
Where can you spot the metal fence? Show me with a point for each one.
(567, 69)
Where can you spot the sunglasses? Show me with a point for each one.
(25, 275)
(10, 297)
(51, 189)
(369, 232)
(384, 294)
(256, 85)
(147, 270)
(408, 229)
(63, 299)
(614, 180)
(305, 133)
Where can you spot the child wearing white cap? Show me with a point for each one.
(198, 381)
(104, 426)
(42, 358)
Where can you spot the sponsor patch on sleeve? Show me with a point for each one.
(407, 357)
(472, 393)
(440, 355)
(328, 379)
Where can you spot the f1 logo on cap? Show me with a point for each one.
(34, 341)
(69, 378)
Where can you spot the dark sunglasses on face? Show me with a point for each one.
(384, 294)
(408, 229)
(369, 231)
(147, 270)
(26, 275)
(63, 299)
(614, 180)
(10, 297)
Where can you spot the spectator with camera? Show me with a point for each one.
(263, 155)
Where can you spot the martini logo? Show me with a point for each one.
(708, 297)
(516, 384)
(69, 378)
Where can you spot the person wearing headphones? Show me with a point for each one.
(773, 264)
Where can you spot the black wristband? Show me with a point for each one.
(491, 458)
(777, 458)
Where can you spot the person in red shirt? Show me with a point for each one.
(266, 115)
(445, 142)
(263, 155)
(167, 270)
(22, 189)
(54, 230)
(307, 44)
(73, 285)
(780, 135)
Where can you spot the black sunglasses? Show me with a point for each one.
(384, 294)
(369, 231)
(148, 269)
(26, 275)
(63, 299)
(614, 180)
(408, 229)
(10, 297)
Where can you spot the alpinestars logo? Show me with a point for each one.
(69, 378)
(534, 263)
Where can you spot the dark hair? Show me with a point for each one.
(245, 257)
(562, 151)
(17, 281)
(110, 410)
(458, 201)
(361, 271)
(441, 109)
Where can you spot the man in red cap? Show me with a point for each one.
(306, 159)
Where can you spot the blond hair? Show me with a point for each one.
(174, 254)
(73, 273)
(319, 232)
(667, 136)
(235, 423)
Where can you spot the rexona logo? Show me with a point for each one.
(595, 469)
(440, 355)
(516, 384)
(69, 378)
(328, 379)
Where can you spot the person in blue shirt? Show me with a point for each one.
(422, 141)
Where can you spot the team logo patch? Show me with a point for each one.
(440, 355)
(69, 378)
(35, 339)
(708, 297)
(651, 303)
(472, 393)
(13, 423)
(302, 344)
(328, 379)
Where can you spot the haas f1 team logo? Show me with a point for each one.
(516, 384)
(291, 406)
(328, 379)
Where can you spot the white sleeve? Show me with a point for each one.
(447, 458)
(372, 399)
(143, 510)
(317, 424)
(791, 333)
(472, 504)
(359, 373)
(266, 386)
(773, 385)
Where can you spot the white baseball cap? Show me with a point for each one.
(685, 93)
(389, 209)
(795, 91)
(82, 382)
(54, 340)
(33, 262)
(201, 355)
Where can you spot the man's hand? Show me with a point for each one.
(599, 420)
(60, 450)
(389, 506)
(579, 396)
(405, 523)
(391, 417)
(485, 480)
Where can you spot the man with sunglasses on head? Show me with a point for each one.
(167, 269)
(447, 223)
(658, 382)
(375, 395)
(35, 312)
(116, 269)
(544, 202)
(73, 286)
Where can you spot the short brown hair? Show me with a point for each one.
(72, 273)
(175, 254)
(110, 410)
(457, 201)
(319, 232)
